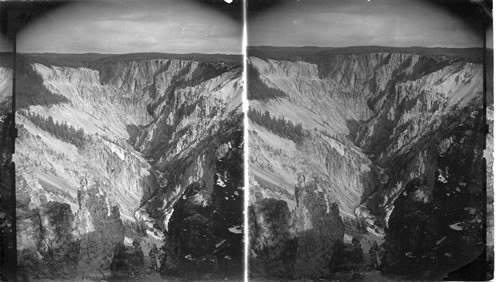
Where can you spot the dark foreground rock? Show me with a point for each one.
(435, 231)
(302, 243)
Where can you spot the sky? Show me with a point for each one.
(340, 23)
(124, 26)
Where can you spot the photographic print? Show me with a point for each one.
(367, 130)
(129, 155)
(256, 140)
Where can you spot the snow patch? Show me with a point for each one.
(220, 183)
(456, 226)
(441, 240)
(235, 229)
(220, 243)
(127, 241)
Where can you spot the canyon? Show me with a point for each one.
(129, 166)
(389, 143)
(364, 163)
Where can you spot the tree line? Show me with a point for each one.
(279, 126)
(62, 131)
(30, 89)
(39, 96)
(258, 90)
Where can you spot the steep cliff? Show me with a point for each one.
(374, 121)
(137, 130)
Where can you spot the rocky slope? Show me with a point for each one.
(379, 125)
(107, 147)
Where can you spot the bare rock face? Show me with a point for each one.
(100, 228)
(298, 244)
(318, 226)
(383, 131)
(141, 130)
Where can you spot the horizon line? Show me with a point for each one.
(114, 54)
(249, 46)
(369, 46)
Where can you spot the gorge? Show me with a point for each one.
(386, 145)
(129, 165)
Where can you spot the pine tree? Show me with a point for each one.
(279, 126)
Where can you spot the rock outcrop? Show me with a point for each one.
(319, 228)
(272, 246)
(51, 250)
(100, 228)
(60, 244)
(297, 244)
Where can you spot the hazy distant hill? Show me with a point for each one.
(308, 53)
(93, 59)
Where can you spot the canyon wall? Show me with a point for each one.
(376, 127)
(107, 148)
